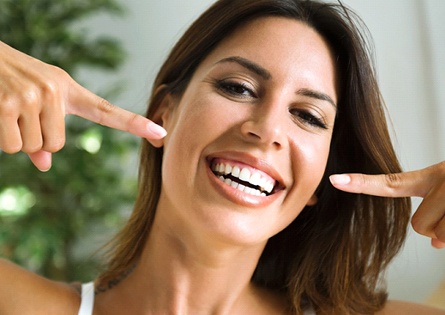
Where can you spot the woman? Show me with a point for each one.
(262, 100)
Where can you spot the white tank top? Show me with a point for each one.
(87, 300)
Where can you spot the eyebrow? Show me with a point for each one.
(255, 68)
(265, 74)
(317, 95)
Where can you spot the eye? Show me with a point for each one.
(308, 118)
(235, 89)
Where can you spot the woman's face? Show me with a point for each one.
(249, 139)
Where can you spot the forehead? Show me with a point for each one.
(288, 48)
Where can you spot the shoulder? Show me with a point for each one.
(23, 292)
(406, 308)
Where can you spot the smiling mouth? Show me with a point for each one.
(245, 179)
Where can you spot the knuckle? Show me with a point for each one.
(440, 233)
(50, 89)
(59, 77)
(418, 225)
(131, 121)
(393, 181)
(105, 107)
(30, 99)
(59, 73)
(14, 103)
(8, 109)
(54, 145)
(32, 147)
(361, 179)
(12, 148)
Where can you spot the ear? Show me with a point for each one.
(161, 114)
(312, 201)
(164, 101)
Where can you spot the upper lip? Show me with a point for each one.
(251, 161)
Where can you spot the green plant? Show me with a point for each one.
(82, 199)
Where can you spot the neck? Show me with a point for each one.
(194, 270)
(190, 275)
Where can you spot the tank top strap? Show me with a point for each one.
(87, 299)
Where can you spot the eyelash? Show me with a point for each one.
(308, 118)
(233, 89)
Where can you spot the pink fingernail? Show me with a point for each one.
(340, 179)
(46, 169)
(157, 130)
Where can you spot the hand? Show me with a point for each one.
(34, 99)
(428, 183)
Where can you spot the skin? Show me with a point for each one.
(262, 128)
(204, 232)
(35, 97)
(427, 183)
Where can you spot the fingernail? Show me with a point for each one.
(157, 130)
(340, 179)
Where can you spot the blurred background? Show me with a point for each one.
(53, 223)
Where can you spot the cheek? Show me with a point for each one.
(191, 126)
(309, 157)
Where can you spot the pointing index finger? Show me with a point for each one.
(85, 104)
(415, 183)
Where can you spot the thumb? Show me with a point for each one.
(41, 159)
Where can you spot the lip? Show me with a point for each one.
(236, 195)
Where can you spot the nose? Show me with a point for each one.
(265, 125)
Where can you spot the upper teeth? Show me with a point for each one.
(245, 174)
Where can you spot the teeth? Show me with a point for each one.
(228, 169)
(255, 179)
(236, 171)
(263, 182)
(246, 175)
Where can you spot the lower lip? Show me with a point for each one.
(238, 196)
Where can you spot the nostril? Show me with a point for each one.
(263, 130)
(277, 144)
(254, 135)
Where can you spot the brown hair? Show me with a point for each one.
(332, 256)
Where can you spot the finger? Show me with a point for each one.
(92, 107)
(10, 138)
(52, 119)
(437, 244)
(31, 133)
(429, 219)
(439, 230)
(415, 183)
(53, 129)
(41, 159)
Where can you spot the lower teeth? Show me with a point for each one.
(241, 187)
